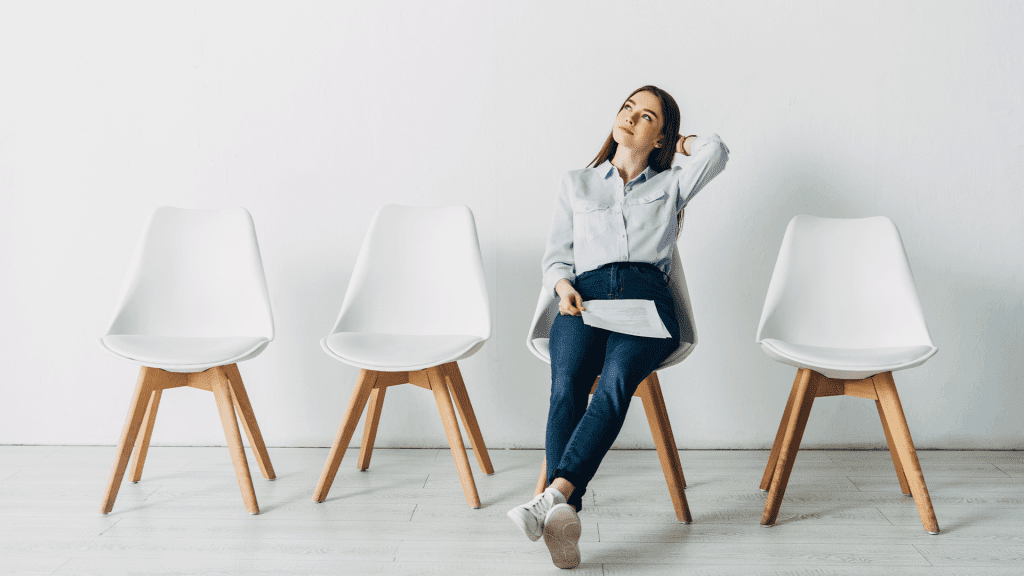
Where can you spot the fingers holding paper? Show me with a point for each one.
(570, 303)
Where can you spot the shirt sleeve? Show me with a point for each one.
(708, 156)
(559, 261)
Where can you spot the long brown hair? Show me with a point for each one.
(660, 158)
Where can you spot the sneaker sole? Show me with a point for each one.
(562, 536)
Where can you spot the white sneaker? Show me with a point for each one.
(562, 535)
(530, 516)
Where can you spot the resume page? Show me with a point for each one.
(634, 317)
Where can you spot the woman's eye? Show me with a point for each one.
(626, 106)
(646, 117)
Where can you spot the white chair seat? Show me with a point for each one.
(182, 353)
(847, 363)
(399, 352)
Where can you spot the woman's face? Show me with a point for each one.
(639, 122)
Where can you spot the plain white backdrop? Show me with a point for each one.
(312, 115)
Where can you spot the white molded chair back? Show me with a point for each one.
(419, 272)
(547, 308)
(843, 283)
(195, 274)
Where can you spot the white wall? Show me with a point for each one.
(313, 115)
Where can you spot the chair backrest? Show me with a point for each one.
(418, 272)
(547, 309)
(195, 273)
(843, 283)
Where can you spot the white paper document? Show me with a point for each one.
(635, 317)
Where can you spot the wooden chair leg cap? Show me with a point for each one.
(932, 533)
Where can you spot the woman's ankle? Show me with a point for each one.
(563, 486)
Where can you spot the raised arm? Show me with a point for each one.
(708, 156)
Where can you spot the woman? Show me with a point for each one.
(613, 234)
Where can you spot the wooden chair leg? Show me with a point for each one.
(664, 442)
(542, 482)
(240, 398)
(356, 402)
(807, 384)
(893, 452)
(376, 403)
(225, 407)
(465, 408)
(892, 411)
(130, 432)
(451, 429)
(142, 443)
(773, 459)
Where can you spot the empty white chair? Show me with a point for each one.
(416, 304)
(842, 307)
(649, 390)
(194, 303)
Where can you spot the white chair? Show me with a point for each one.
(416, 304)
(649, 390)
(842, 307)
(194, 303)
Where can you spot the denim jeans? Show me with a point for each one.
(578, 435)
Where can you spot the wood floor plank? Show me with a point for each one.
(26, 525)
(806, 533)
(70, 491)
(1012, 470)
(326, 529)
(31, 565)
(683, 554)
(952, 517)
(722, 483)
(250, 567)
(762, 570)
(953, 555)
(136, 547)
(735, 515)
(215, 509)
(943, 485)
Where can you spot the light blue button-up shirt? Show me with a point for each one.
(599, 220)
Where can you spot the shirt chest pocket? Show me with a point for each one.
(590, 219)
(649, 210)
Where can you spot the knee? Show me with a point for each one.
(614, 396)
(561, 388)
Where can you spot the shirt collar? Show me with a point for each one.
(607, 169)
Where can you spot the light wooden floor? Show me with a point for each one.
(843, 514)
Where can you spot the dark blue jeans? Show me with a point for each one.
(578, 435)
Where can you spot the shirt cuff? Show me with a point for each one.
(554, 277)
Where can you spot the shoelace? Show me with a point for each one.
(536, 506)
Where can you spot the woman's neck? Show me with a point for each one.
(629, 163)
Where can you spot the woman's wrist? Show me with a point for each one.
(683, 147)
(563, 287)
